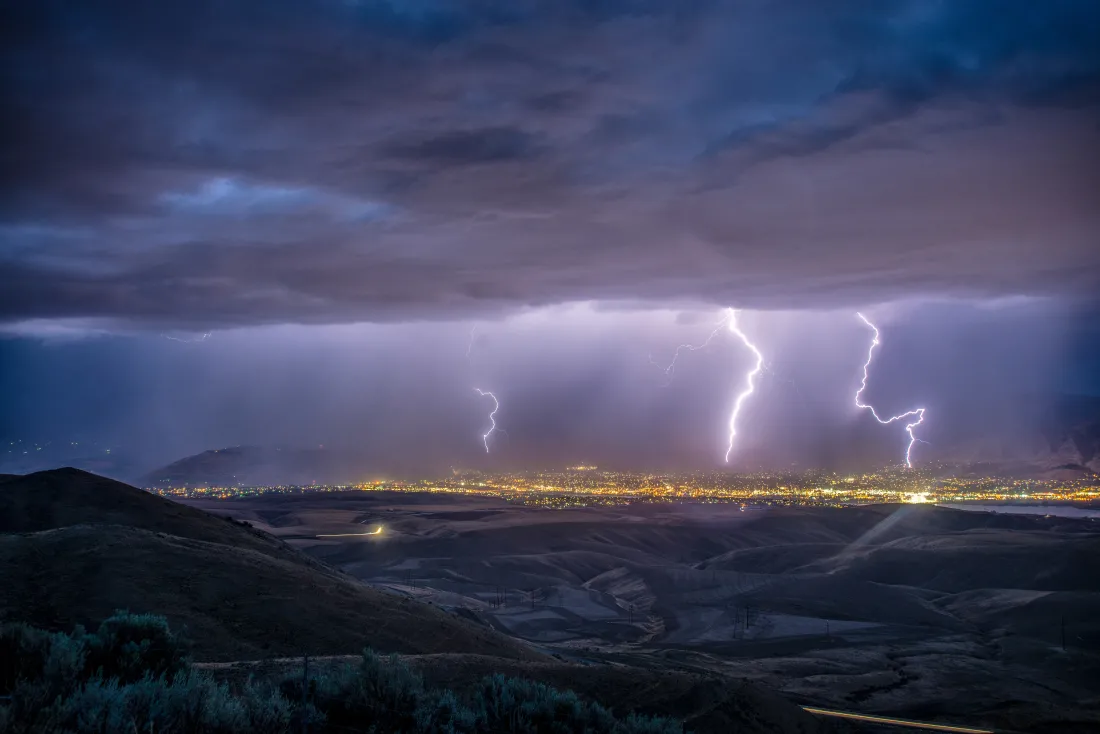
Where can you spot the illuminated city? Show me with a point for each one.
(625, 367)
(586, 486)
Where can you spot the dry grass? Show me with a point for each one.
(706, 703)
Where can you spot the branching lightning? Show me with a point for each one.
(670, 370)
(918, 412)
(492, 416)
(731, 321)
(202, 338)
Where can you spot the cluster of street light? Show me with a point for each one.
(578, 487)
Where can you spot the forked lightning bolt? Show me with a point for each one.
(492, 416)
(671, 368)
(731, 320)
(918, 412)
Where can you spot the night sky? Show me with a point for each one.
(339, 192)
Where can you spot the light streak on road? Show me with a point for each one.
(891, 721)
(376, 531)
(492, 416)
(750, 378)
(918, 412)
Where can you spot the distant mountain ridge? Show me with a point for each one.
(1061, 437)
(1073, 432)
(250, 466)
(1068, 436)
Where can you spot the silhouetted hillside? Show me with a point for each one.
(78, 546)
(63, 497)
(234, 602)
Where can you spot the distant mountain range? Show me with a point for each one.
(254, 466)
(1065, 438)
(1073, 433)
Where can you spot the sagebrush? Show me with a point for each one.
(133, 675)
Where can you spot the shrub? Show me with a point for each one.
(381, 692)
(129, 647)
(441, 712)
(132, 676)
(23, 654)
(188, 702)
(524, 706)
(638, 724)
(268, 712)
(518, 705)
(388, 696)
(37, 669)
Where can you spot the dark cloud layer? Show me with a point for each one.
(207, 164)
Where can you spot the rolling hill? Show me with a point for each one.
(76, 547)
(234, 603)
(60, 498)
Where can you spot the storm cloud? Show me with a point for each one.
(211, 164)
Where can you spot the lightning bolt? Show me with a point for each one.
(470, 346)
(750, 378)
(492, 416)
(670, 370)
(777, 376)
(202, 338)
(918, 412)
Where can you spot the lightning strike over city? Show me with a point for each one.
(492, 416)
(918, 412)
(750, 378)
(382, 205)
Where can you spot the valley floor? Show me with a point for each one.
(922, 612)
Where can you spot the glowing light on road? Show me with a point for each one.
(492, 416)
(731, 320)
(376, 531)
(896, 722)
(671, 368)
(918, 412)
